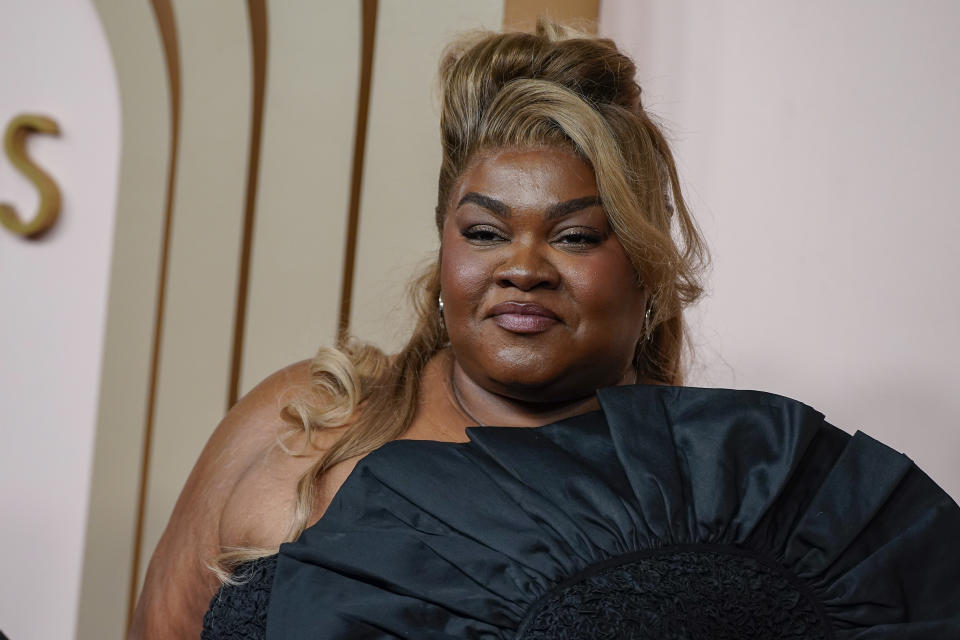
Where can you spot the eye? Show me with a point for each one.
(482, 234)
(579, 238)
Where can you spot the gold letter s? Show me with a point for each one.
(14, 143)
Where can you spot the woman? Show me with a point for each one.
(567, 257)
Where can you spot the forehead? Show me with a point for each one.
(528, 177)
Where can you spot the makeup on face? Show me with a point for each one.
(538, 291)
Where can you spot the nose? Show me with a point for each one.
(527, 266)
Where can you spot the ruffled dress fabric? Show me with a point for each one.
(670, 513)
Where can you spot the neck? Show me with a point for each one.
(487, 408)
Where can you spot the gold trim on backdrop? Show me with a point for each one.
(166, 23)
(369, 33)
(521, 15)
(257, 12)
(15, 144)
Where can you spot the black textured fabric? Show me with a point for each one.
(686, 593)
(435, 541)
(239, 612)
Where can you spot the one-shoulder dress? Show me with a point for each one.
(670, 513)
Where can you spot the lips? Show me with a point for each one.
(523, 317)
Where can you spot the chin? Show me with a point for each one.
(519, 381)
(533, 377)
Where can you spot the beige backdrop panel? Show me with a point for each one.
(523, 14)
(142, 79)
(397, 233)
(297, 257)
(207, 221)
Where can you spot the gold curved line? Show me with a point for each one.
(367, 42)
(257, 13)
(15, 145)
(166, 23)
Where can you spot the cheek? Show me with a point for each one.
(607, 290)
(464, 276)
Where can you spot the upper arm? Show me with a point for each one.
(178, 584)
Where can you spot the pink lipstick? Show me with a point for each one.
(523, 317)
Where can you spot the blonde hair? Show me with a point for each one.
(519, 90)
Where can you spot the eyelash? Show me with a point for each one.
(581, 238)
(482, 234)
(575, 238)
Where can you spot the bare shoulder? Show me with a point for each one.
(239, 493)
(261, 503)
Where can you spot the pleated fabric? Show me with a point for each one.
(433, 540)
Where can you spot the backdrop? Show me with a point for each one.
(239, 180)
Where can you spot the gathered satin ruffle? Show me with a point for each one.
(435, 540)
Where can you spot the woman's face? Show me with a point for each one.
(540, 300)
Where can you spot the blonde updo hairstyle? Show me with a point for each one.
(555, 87)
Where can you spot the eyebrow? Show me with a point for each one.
(566, 208)
(491, 204)
(554, 211)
